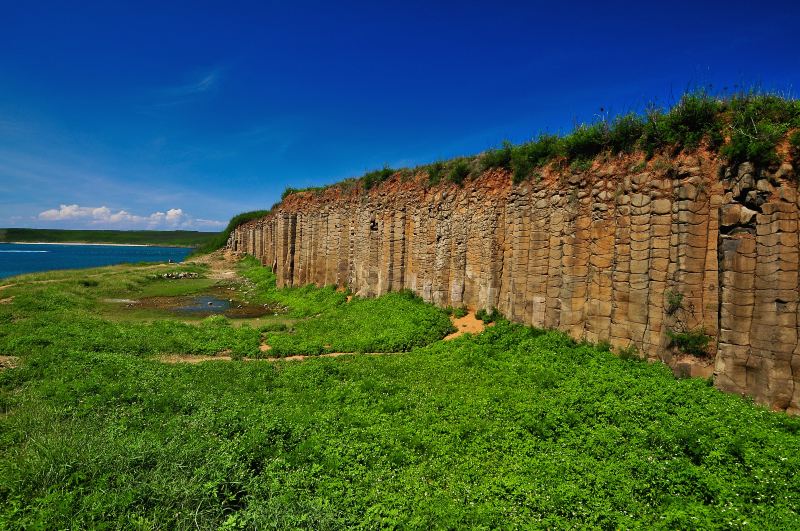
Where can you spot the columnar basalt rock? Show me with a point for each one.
(601, 254)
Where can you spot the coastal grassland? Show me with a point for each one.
(514, 427)
(395, 322)
(170, 238)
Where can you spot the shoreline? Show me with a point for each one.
(104, 244)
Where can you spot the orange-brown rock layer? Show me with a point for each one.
(603, 255)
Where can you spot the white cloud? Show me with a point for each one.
(174, 215)
(174, 218)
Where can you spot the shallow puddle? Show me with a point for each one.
(204, 306)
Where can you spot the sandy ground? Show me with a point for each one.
(469, 324)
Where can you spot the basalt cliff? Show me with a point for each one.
(624, 252)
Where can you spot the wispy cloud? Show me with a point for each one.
(103, 216)
(205, 83)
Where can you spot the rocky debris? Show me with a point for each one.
(175, 275)
(595, 254)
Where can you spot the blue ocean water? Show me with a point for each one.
(18, 258)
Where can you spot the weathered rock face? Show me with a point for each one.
(620, 253)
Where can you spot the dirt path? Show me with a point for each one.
(220, 263)
(194, 359)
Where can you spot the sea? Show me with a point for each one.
(19, 258)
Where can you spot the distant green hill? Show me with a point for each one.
(177, 238)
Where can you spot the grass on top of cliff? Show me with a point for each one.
(515, 427)
(744, 126)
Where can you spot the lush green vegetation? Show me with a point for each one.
(753, 123)
(302, 301)
(375, 177)
(693, 342)
(220, 239)
(395, 322)
(515, 427)
(176, 238)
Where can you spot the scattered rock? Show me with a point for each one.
(180, 275)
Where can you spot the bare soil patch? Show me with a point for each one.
(8, 362)
(220, 264)
(194, 358)
(469, 324)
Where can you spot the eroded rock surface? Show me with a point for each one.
(603, 255)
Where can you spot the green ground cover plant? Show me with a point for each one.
(693, 342)
(394, 322)
(515, 427)
(301, 301)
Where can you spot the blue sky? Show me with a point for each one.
(182, 114)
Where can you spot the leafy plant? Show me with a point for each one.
(488, 316)
(693, 342)
(631, 352)
(585, 142)
(498, 158)
(625, 132)
(674, 301)
(695, 118)
(758, 122)
(459, 172)
(435, 172)
(376, 177)
(526, 157)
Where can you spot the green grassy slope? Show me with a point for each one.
(179, 238)
(514, 427)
